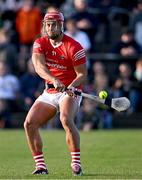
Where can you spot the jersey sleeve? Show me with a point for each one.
(38, 47)
(78, 55)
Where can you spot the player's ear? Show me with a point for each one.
(43, 22)
(62, 26)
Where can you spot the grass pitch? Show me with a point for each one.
(113, 154)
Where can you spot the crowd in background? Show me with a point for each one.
(101, 26)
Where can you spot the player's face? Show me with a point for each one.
(53, 29)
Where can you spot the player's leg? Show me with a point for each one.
(38, 115)
(68, 109)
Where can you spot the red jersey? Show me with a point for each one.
(61, 59)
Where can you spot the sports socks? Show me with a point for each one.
(39, 161)
(75, 155)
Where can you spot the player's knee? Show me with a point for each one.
(66, 122)
(29, 125)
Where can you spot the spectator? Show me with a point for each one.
(128, 5)
(120, 14)
(8, 51)
(101, 82)
(138, 71)
(88, 115)
(28, 23)
(9, 87)
(124, 86)
(56, 3)
(8, 9)
(136, 23)
(68, 8)
(4, 115)
(92, 114)
(98, 68)
(30, 84)
(1, 20)
(127, 46)
(104, 30)
(138, 82)
(51, 8)
(78, 35)
(86, 21)
(103, 116)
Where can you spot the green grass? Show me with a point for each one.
(104, 154)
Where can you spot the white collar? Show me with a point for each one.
(55, 46)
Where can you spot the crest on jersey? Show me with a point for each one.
(62, 57)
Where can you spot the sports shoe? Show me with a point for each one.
(40, 171)
(76, 169)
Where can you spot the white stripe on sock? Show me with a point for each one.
(75, 156)
(37, 160)
(40, 166)
(72, 153)
(40, 163)
(73, 160)
(38, 156)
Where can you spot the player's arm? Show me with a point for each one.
(81, 72)
(40, 68)
(78, 57)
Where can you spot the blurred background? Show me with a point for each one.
(111, 33)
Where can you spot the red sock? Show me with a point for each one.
(39, 161)
(75, 155)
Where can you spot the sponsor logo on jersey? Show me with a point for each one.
(56, 66)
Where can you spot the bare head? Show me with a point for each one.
(53, 24)
(125, 70)
(127, 36)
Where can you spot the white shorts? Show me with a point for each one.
(56, 98)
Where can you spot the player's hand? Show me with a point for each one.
(59, 86)
(71, 91)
